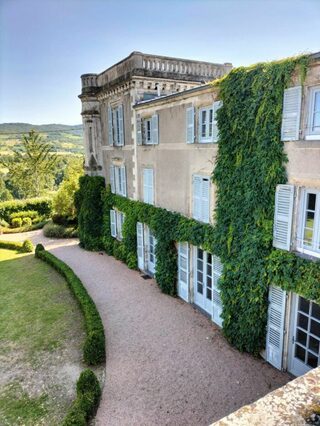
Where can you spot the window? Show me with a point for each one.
(148, 130)
(201, 198)
(310, 228)
(148, 193)
(116, 126)
(314, 114)
(205, 124)
(116, 223)
(118, 180)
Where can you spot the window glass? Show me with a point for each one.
(316, 113)
(308, 233)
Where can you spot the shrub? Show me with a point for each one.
(52, 230)
(4, 224)
(27, 247)
(94, 346)
(86, 403)
(32, 214)
(26, 221)
(16, 222)
(42, 205)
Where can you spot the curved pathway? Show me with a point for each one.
(167, 364)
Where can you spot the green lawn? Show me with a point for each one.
(41, 333)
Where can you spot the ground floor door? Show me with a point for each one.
(150, 250)
(203, 280)
(304, 338)
(208, 270)
(183, 271)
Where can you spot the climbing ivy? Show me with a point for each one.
(88, 204)
(168, 228)
(249, 165)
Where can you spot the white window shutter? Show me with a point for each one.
(215, 130)
(140, 246)
(121, 125)
(123, 181)
(205, 200)
(291, 114)
(190, 125)
(113, 223)
(199, 125)
(145, 186)
(283, 216)
(110, 126)
(112, 182)
(148, 190)
(197, 186)
(115, 113)
(183, 271)
(155, 129)
(217, 269)
(275, 326)
(139, 130)
(120, 220)
(151, 187)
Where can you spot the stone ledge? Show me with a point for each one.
(288, 405)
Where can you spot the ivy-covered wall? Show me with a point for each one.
(249, 166)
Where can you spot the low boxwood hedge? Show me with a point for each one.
(25, 247)
(94, 346)
(87, 401)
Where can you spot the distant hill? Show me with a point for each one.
(65, 139)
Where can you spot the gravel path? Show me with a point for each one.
(167, 364)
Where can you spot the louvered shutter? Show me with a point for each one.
(275, 327)
(199, 125)
(113, 223)
(110, 126)
(145, 186)
(197, 187)
(151, 189)
(183, 271)
(123, 181)
(112, 182)
(215, 130)
(121, 125)
(283, 216)
(118, 181)
(115, 114)
(217, 269)
(140, 246)
(205, 200)
(291, 114)
(190, 125)
(155, 129)
(139, 130)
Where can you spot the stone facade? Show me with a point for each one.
(164, 101)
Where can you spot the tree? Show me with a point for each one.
(5, 194)
(63, 202)
(32, 169)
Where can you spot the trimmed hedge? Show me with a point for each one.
(24, 228)
(87, 401)
(25, 247)
(42, 205)
(94, 346)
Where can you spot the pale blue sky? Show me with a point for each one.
(45, 45)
